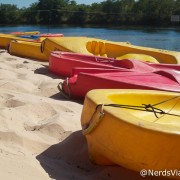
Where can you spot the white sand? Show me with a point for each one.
(40, 131)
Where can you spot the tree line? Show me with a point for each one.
(109, 12)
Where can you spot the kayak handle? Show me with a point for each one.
(94, 121)
(42, 46)
(61, 89)
(100, 59)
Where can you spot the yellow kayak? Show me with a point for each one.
(11, 35)
(163, 56)
(136, 129)
(118, 50)
(26, 33)
(27, 49)
(6, 39)
(121, 51)
(140, 57)
(73, 44)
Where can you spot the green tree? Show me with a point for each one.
(80, 14)
(153, 12)
(117, 12)
(9, 14)
(96, 14)
(51, 11)
(30, 15)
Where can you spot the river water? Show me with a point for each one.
(162, 38)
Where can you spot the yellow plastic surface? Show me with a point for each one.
(162, 56)
(5, 40)
(27, 49)
(82, 45)
(140, 57)
(27, 33)
(131, 138)
(111, 49)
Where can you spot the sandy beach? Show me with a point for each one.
(40, 132)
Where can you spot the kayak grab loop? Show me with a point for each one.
(42, 46)
(95, 120)
(60, 87)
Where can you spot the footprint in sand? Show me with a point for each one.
(11, 59)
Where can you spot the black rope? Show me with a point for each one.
(144, 107)
(166, 100)
(149, 107)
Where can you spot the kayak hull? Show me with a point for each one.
(133, 139)
(83, 80)
(62, 63)
(83, 45)
(27, 49)
(5, 40)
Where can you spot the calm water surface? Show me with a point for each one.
(162, 38)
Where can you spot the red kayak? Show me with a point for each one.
(62, 63)
(50, 35)
(86, 79)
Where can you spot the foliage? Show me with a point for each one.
(112, 12)
(9, 14)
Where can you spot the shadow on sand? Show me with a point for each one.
(69, 160)
(45, 71)
(58, 96)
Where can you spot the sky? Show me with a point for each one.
(26, 3)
